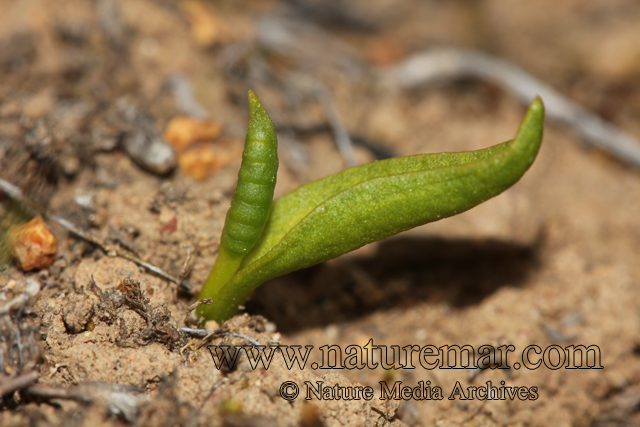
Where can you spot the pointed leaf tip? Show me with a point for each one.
(259, 119)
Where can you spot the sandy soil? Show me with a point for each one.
(552, 261)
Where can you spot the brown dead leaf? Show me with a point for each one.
(170, 227)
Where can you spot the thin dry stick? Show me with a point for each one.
(340, 133)
(10, 385)
(291, 39)
(120, 400)
(312, 86)
(111, 251)
(198, 304)
(207, 334)
(187, 312)
(184, 96)
(186, 267)
(16, 193)
(447, 64)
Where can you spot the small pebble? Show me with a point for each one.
(211, 325)
(150, 152)
(143, 143)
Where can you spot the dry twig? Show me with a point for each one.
(445, 64)
(119, 399)
(309, 85)
(9, 385)
(16, 193)
(184, 96)
(207, 334)
(340, 132)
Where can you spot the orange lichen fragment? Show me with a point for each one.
(200, 160)
(205, 28)
(383, 51)
(182, 131)
(33, 245)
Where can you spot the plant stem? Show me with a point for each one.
(225, 267)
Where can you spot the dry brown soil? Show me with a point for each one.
(553, 260)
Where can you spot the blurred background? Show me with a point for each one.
(122, 124)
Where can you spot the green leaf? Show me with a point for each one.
(360, 205)
(251, 202)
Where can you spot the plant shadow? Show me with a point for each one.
(403, 272)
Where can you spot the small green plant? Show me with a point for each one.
(342, 212)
